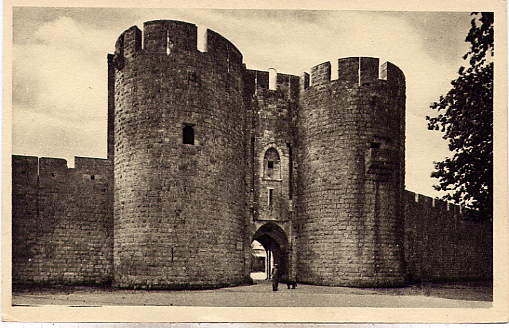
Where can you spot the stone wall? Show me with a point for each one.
(62, 221)
(180, 219)
(272, 142)
(350, 134)
(442, 243)
(186, 209)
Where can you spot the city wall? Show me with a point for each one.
(62, 221)
(442, 243)
(204, 151)
(63, 225)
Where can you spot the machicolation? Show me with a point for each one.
(205, 156)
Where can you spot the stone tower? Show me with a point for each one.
(179, 158)
(273, 106)
(206, 157)
(350, 137)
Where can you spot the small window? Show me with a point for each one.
(92, 177)
(271, 164)
(270, 197)
(188, 135)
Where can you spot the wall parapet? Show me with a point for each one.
(458, 212)
(358, 70)
(169, 36)
(286, 84)
(443, 243)
(55, 205)
(33, 167)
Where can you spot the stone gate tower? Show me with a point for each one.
(350, 136)
(196, 138)
(206, 156)
(179, 161)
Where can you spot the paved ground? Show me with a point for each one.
(261, 294)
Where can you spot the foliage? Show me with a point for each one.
(465, 116)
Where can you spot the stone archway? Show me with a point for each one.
(274, 239)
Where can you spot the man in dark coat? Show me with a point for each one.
(275, 277)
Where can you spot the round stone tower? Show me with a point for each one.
(179, 160)
(351, 175)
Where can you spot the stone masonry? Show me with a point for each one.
(351, 156)
(205, 156)
(62, 227)
(174, 200)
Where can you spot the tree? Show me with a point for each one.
(465, 116)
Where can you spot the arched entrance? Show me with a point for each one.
(275, 242)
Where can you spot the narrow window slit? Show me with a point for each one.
(228, 57)
(168, 42)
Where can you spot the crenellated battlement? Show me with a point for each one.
(430, 203)
(25, 170)
(128, 43)
(30, 168)
(170, 36)
(221, 48)
(286, 84)
(320, 74)
(356, 70)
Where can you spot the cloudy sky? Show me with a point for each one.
(60, 71)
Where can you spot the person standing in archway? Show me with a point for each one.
(275, 277)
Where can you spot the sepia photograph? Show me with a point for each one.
(180, 158)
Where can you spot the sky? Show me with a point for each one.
(60, 71)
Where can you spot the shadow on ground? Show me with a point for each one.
(464, 294)
(467, 291)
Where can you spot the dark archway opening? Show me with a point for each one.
(275, 243)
